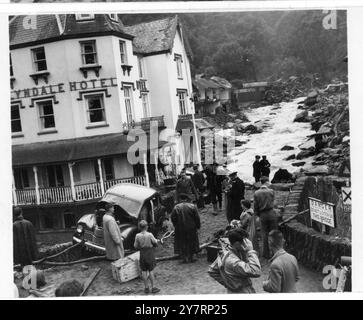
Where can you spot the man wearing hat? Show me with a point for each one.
(112, 234)
(235, 195)
(186, 221)
(185, 185)
(25, 246)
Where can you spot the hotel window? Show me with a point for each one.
(145, 104)
(11, 67)
(113, 16)
(108, 167)
(182, 102)
(83, 17)
(178, 60)
(15, 118)
(128, 104)
(123, 54)
(141, 68)
(88, 51)
(21, 178)
(46, 114)
(95, 108)
(39, 60)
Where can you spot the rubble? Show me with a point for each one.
(302, 117)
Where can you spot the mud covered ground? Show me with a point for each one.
(172, 277)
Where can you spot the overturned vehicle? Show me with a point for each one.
(133, 203)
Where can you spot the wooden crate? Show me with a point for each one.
(126, 269)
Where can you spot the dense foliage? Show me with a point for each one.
(263, 45)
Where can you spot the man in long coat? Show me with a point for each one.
(186, 221)
(265, 167)
(257, 169)
(25, 245)
(236, 194)
(112, 234)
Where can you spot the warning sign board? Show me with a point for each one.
(323, 212)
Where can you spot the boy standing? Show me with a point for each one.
(145, 242)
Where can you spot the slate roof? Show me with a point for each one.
(48, 27)
(203, 84)
(148, 38)
(154, 36)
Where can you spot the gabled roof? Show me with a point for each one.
(155, 36)
(148, 38)
(203, 84)
(57, 27)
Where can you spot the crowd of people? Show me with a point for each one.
(194, 190)
(216, 185)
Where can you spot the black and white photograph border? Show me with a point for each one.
(313, 198)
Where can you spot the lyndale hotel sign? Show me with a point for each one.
(42, 91)
(214, 152)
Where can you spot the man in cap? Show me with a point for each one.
(199, 180)
(112, 234)
(25, 245)
(263, 201)
(240, 263)
(186, 221)
(236, 194)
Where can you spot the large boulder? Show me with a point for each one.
(305, 154)
(298, 164)
(312, 98)
(282, 176)
(287, 148)
(290, 157)
(302, 117)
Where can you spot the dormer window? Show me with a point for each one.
(113, 16)
(85, 17)
(39, 65)
(39, 60)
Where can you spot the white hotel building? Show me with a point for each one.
(78, 83)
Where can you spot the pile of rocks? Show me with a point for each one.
(330, 145)
(284, 91)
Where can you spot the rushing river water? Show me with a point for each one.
(279, 129)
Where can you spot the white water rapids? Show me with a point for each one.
(279, 129)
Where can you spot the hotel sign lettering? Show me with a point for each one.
(62, 87)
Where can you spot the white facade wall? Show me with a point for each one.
(63, 62)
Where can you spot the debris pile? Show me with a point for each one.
(284, 91)
(328, 112)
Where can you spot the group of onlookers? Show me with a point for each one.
(242, 259)
(241, 262)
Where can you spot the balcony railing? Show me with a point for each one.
(144, 124)
(82, 192)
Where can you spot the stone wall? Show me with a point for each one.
(311, 247)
